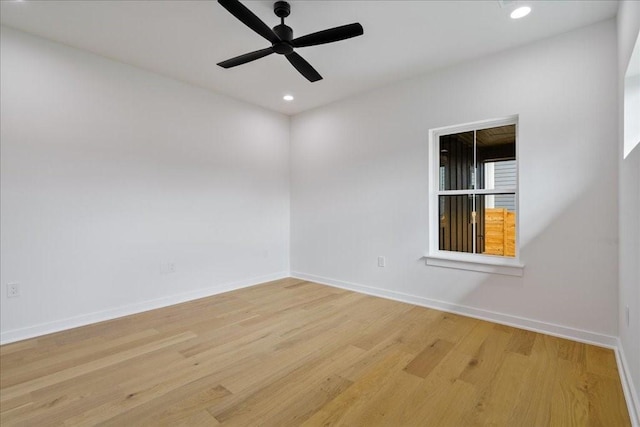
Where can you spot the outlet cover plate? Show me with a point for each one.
(13, 290)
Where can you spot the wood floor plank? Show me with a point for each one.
(58, 402)
(534, 406)
(277, 363)
(423, 363)
(522, 342)
(601, 361)
(448, 406)
(347, 407)
(377, 330)
(431, 399)
(569, 399)
(474, 339)
(453, 327)
(281, 399)
(79, 370)
(174, 406)
(497, 401)
(373, 356)
(488, 358)
(382, 411)
(19, 347)
(201, 418)
(572, 351)
(293, 352)
(29, 371)
(606, 401)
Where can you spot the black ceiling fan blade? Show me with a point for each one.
(249, 19)
(303, 67)
(328, 36)
(247, 57)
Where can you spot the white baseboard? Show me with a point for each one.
(477, 313)
(100, 316)
(630, 394)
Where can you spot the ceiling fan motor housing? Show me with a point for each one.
(284, 32)
(282, 9)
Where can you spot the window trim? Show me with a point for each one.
(461, 260)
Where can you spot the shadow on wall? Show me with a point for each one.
(575, 261)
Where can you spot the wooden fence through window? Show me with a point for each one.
(500, 232)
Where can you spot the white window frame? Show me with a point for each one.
(462, 260)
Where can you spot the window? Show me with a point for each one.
(632, 101)
(474, 197)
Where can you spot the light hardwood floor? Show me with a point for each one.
(292, 352)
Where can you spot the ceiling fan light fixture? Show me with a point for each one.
(520, 12)
(288, 98)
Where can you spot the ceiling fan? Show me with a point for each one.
(281, 37)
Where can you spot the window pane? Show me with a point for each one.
(456, 229)
(496, 228)
(456, 161)
(500, 174)
(495, 156)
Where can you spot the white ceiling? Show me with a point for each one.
(185, 39)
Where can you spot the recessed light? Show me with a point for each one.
(288, 98)
(520, 12)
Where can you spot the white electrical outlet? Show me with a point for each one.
(626, 314)
(381, 261)
(13, 290)
(167, 267)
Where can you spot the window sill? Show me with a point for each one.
(480, 263)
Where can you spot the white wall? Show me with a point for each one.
(109, 173)
(629, 194)
(359, 185)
